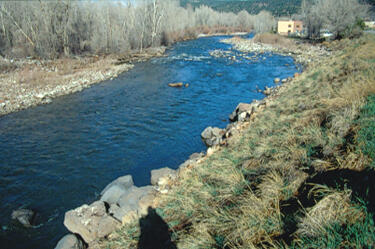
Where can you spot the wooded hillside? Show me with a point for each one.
(278, 8)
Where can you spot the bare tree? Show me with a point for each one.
(264, 22)
(313, 21)
(65, 27)
(338, 16)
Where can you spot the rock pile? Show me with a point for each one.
(242, 112)
(302, 53)
(212, 136)
(120, 202)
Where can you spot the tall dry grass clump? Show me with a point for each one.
(274, 39)
(260, 190)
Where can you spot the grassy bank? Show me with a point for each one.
(299, 175)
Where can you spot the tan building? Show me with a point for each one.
(289, 27)
(370, 24)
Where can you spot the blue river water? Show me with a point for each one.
(59, 156)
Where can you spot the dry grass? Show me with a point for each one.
(233, 198)
(335, 207)
(273, 39)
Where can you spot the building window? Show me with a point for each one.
(290, 25)
(297, 26)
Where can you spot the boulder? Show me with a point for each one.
(113, 194)
(268, 91)
(284, 81)
(212, 136)
(178, 84)
(90, 222)
(157, 174)
(145, 202)
(276, 80)
(70, 241)
(131, 199)
(187, 85)
(196, 156)
(129, 204)
(124, 181)
(24, 216)
(241, 108)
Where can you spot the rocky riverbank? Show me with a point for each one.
(283, 173)
(303, 53)
(122, 203)
(30, 82)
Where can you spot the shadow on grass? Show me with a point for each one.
(360, 182)
(155, 233)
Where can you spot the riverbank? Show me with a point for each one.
(303, 52)
(286, 174)
(30, 82)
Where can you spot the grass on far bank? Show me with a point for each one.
(299, 176)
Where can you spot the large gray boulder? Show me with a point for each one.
(113, 194)
(90, 222)
(157, 174)
(212, 136)
(70, 241)
(24, 216)
(125, 181)
(116, 189)
(129, 204)
(131, 199)
(242, 112)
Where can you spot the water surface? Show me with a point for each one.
(59, 156)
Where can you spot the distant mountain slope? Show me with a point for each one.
(276, 7)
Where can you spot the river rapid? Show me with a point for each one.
(59, 156)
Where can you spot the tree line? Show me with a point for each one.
(49, 29)
(344, 18)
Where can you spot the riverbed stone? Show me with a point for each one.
(157, 174)
(24, 216)
(70, 241)
(90, 221)
(212, 136)
(241, 108)
(178, 84)
(268, 91)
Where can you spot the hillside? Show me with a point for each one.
(276, 7)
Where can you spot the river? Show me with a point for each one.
(59, 156)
